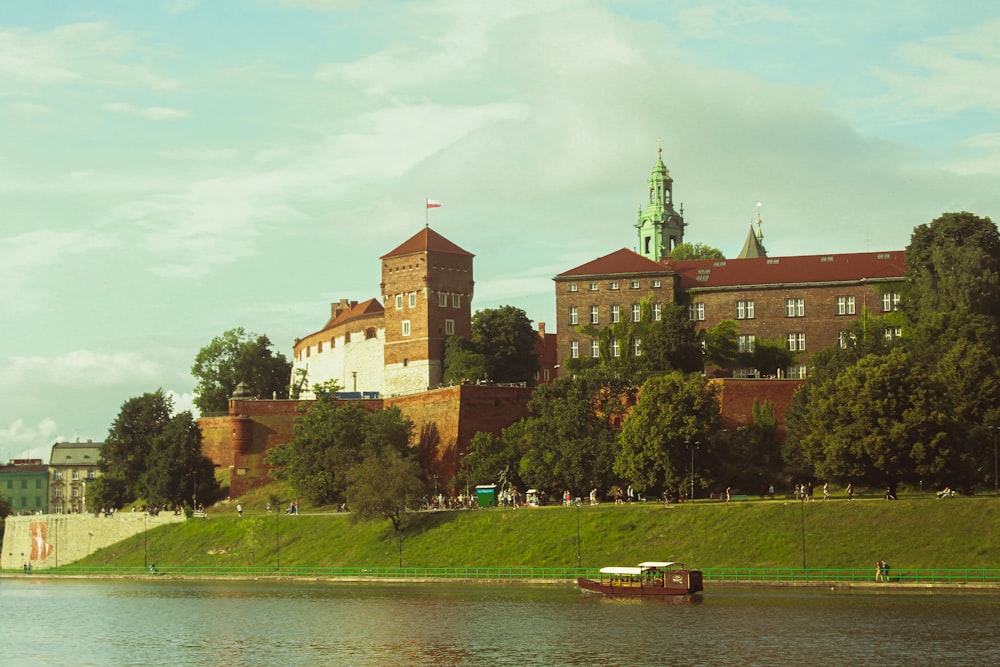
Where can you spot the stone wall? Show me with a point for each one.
(51, 540)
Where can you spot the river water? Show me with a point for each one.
(112, 622)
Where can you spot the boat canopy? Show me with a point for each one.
(658, 563)
(621, 570)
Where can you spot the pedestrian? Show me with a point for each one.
(826, 490)
(239, 509)
(728, 493)
(878, 571)
(850, 491)
(770, 491)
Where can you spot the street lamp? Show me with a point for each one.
(996, 482)
(692, 446)
(579, 508)
(802, 504)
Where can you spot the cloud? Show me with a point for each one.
(148, 113)
(23, 258)
(80, 369)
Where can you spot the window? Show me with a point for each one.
(613, 284)
(634, 284)
(370, 333)
(57, 492)
(744, 310)
(746, 342)
(574, 349)
(572, 287)
(595, 348)
(796, 342)
(91, 474)
(443, 299)
(406, 327)
(574, 317)
(456, 300)
(845, 305)
(413, 299)
(796, 372)
(399, 302)
(795, 307)
(846, 339)
(57, 475)
(24, 483)
(76, 493)
(656, 283)
(545, 374)
(616, 314)
(656, 312)
(636, 312)
(893, 333)
(449, 327)
(696, 312)
(615, 349)
(636, 347)
(594, 316)
(347, 336)
(890, 301)
(593, 287)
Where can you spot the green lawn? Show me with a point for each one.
(912, 532)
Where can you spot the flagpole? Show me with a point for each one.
(427, 214)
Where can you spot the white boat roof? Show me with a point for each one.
(621, 570)
(658, 563)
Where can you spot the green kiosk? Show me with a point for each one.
(486, 495)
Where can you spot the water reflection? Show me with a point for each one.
(256, 623)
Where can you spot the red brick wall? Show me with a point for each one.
(736, 398)
(216, 440)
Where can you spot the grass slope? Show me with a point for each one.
(911, 533)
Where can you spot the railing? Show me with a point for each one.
(719, 575)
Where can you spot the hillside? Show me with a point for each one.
(912, 532)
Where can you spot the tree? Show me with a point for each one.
(386, 484)
(953, 265)
(769, 357)
(673, 342)
(722, 344)
(329, 440)
(506, 338)
(238, 356)
(125, 454)
(673, 410)
(685, 251)
(177, 472)
(462, 363)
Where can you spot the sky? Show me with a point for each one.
(173, 169)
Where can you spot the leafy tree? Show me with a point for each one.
(769, 357)
(506, 338)
(177, 471)
(5, 509)
(953, 265)
(673, 410)
(673, 343)
(125, 454)
(329, 440)
(492, 459)
(462, 362)
(686, 251)
(884, 421)
(750, 456)
(238, 356)
(721, 344)
(386, 484)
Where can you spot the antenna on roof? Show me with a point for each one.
(760, 234)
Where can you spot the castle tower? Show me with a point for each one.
(427, 289)
(661, 227)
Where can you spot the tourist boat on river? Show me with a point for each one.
(648, 579)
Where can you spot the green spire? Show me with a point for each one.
(661, 227)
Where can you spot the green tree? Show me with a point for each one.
(686, 251)
(125, 454)
(177, 472)
(953, 265)
(721, 344)
(462, 362)
(769, 357)
(386, 484)
(673, 342)
(673, 410)
(238, 356)
(506, 338)
(329, 440)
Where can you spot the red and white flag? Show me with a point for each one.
(433, 203)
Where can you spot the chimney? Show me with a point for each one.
(541, 329)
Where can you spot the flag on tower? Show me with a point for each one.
(433, 203)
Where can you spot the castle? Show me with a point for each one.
(389, 351)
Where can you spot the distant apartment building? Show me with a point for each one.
(25, 485)
(72, 467)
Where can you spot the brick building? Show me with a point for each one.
(807, 302)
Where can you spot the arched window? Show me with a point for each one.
(369, 333)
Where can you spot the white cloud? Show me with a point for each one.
(148, 113)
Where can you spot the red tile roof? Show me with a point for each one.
(369, 307)
(803, 269)
(426, 240)
(620, 262)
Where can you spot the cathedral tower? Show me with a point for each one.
(427, 293)
(661, 227)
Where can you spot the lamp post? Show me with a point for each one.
(579, 508)
(277, 536)
(802, 504)
(692, 446)
(996, 482)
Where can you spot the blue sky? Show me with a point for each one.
(170, 170)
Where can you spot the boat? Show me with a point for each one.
(648, 579)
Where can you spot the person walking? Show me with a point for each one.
(239, 509)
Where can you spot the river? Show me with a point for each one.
(170, 622)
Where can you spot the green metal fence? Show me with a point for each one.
(721, 575)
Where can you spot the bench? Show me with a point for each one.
(740, 496)
(198, 514)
